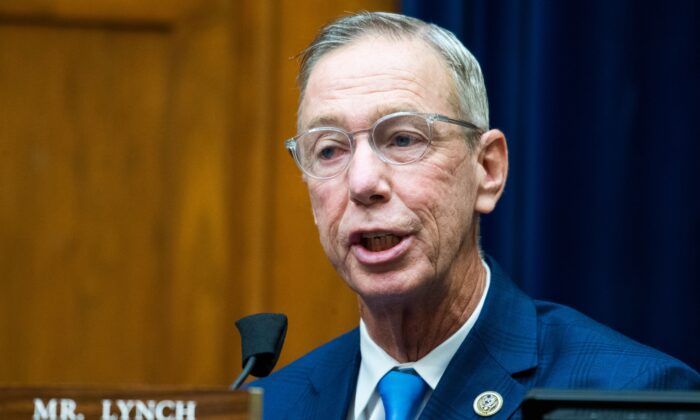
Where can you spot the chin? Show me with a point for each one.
(384, 287)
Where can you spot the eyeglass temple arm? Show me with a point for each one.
(458, 122)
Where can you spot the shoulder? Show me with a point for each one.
(577, 352)
(284, 387)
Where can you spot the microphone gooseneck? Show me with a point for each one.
(244, 374)
(262, 337)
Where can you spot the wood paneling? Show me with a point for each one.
(127, 12)
(82, 127)
(146, 201)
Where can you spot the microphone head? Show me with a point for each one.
(262, 336)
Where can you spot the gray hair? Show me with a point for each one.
(463, 68)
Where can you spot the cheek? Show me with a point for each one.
(448, 200)
(447, 181)
(460, 194)
(327, 204)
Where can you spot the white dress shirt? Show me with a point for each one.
(375, 363)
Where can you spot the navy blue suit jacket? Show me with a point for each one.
(516, 344)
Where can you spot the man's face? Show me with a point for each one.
(392, 231)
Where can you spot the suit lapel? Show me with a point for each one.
(502, 343)
(335, 377)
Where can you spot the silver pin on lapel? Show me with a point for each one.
(488, 403)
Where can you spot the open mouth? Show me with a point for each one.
(377, 242)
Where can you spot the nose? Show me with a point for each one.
(368, 176)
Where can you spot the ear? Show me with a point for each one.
(492, 170)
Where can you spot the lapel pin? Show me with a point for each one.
(488, 403)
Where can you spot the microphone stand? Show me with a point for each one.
(244, 374)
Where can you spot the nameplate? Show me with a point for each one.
(61, 403)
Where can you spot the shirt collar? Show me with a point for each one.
(376, 362)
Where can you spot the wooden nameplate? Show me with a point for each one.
(142, 403)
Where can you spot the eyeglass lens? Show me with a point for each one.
(398, 139)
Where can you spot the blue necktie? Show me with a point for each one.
(402, 393)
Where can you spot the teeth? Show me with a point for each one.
(375, 235)
(376, 242)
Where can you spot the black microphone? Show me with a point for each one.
(262, 336)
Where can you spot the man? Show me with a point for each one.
(395, 149)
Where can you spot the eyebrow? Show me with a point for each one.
(325, 121)
(330, 120)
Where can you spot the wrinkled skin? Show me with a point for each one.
(416, 294)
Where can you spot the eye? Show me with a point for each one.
(403, 140)
(330, 148)
(327, 152)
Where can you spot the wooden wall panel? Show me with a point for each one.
(128, 12)
(146, 201)
(81, 199)
(199, 307)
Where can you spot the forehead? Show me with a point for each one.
(373, 76)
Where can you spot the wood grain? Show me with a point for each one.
(83, 114)
(146, 200)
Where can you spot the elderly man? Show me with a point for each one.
(399, 161)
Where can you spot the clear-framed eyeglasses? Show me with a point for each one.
(398, 139)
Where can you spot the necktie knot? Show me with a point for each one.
(402, 393)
